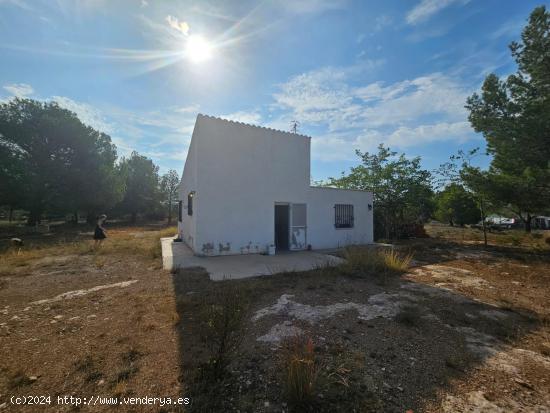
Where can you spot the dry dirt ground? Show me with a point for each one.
(465, 329)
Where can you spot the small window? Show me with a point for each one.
(180, 211)
(190, 203)
(343, 216)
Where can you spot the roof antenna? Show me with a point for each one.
(294, 126)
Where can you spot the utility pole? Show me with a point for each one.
(294, 126)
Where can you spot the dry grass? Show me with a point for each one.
(299, 371)
(369, 261)
(127, 241)
(537, 240)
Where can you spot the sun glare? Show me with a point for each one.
(198, 49)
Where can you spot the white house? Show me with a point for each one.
(247, 187)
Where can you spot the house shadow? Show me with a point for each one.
(404, 343)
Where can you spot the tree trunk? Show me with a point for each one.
(134, 217)
(528, 223)
(451, 223)
(91, 217)
(10, 215)
(169, 210)
(483, 222)
(75, 217)
(34, 217)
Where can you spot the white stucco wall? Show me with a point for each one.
(242, 170)
(321, 232)
(187, 228)
(239, 172)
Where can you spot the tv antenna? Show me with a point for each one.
(294, 124)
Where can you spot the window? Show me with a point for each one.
(180, 211)
(343, 216)
(190, 203)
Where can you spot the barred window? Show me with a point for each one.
(343, 216)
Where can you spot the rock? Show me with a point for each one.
(266, 404)
(33, 378)
(58, 317)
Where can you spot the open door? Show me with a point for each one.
(298, 225)
(282, 225)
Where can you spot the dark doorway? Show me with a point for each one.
(281, 227)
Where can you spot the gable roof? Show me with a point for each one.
(200, 115)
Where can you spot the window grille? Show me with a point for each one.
(343, 216)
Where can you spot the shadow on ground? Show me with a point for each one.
(382, 344)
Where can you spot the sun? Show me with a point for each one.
(198, 49)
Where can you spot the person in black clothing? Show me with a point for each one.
(100, 233)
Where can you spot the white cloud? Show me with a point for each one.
(427, 8)
(407, 113)
(382, 21)
(180, 26)
(404, 136)
(144, 3)
(88, 114)
(18, 3)
(253, 117)
(19, 89)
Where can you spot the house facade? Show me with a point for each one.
(245, 188)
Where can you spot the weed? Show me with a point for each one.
(299, 370)
(223, 321)
(396, 262)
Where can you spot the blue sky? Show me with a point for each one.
(353, 73)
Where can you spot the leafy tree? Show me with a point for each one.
(169, 183)
(456, 206)
(54, 161)
(142, 185)
(514, 117)
(401, 188)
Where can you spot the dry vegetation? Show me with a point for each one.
(438, 324)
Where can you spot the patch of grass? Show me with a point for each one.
(408, 315)
(396, 262)
(377, 262)
(299, 371)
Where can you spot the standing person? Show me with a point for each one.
(100, 233)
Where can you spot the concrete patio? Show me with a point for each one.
(178, 255)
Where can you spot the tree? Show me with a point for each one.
(56, 162)
(456, 206)
(514, 117)
(401, 188)
(141, 178)
(169, 183)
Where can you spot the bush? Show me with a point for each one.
(361, 260)
(300, 371)
(223, 321)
